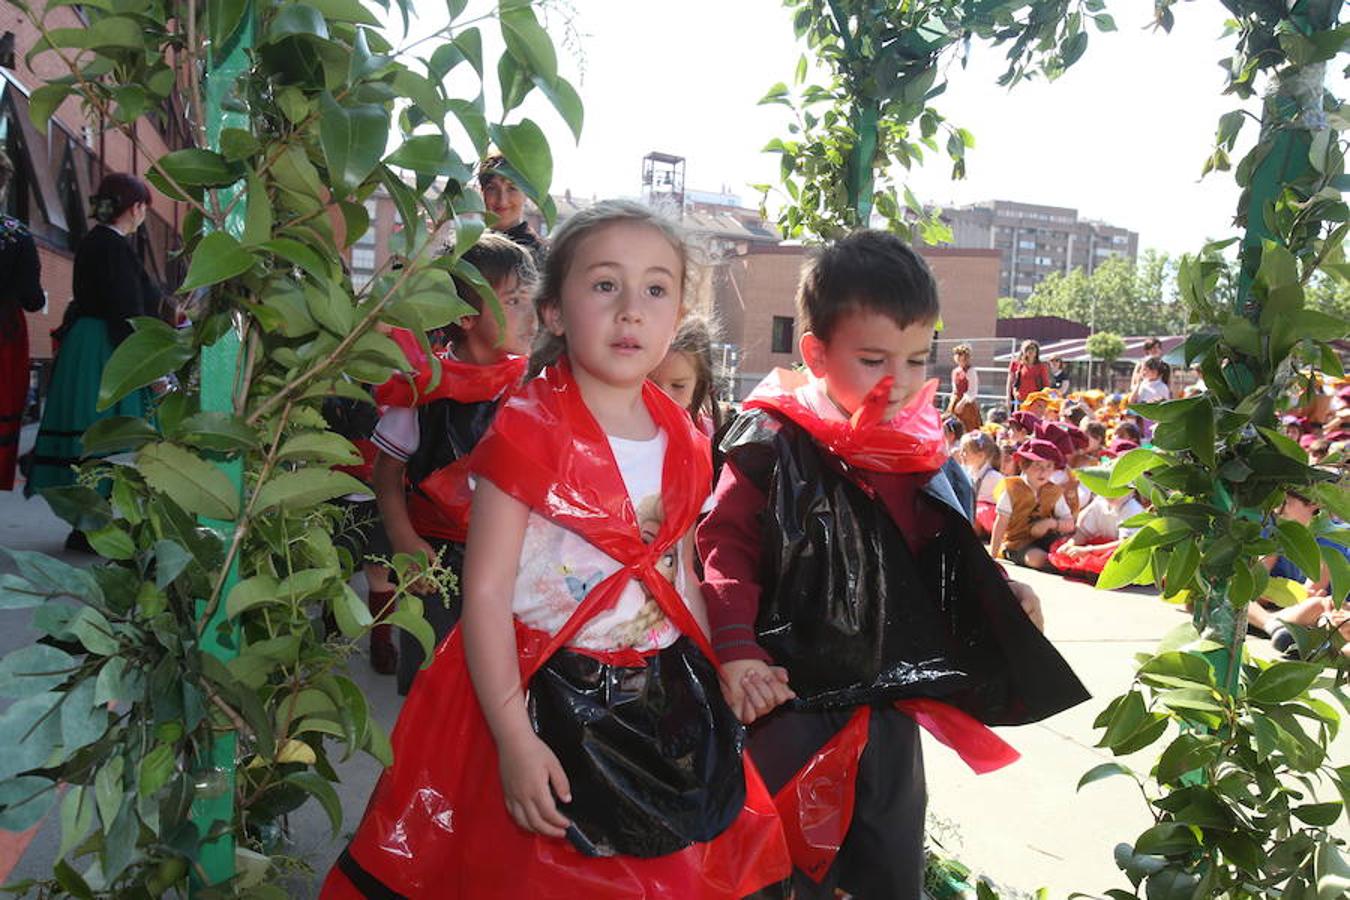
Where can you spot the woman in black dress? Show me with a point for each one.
(111, 287)
(20, 291)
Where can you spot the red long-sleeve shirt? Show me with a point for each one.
(730, 542)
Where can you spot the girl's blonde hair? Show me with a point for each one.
(549, 347)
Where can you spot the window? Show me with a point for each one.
(1026, 245)
(782, 334)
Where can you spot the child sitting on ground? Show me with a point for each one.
(1098, 533)
(979, 457)
(1031, 511)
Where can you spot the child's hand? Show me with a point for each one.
(531, 776)
(754, 688)
(1031, 604)
(413, 545)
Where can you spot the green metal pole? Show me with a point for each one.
(220, 382)
(1295, 98)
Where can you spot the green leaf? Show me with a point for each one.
(108, 790)
(28, 734)
(1126, 566)
(43, 102)
(157, 767)
(77, 817)
(82, 507)
(218, 258)
(115, 33)
(324, 446)
(1282, 682)
(1320, 815)
(24, 801)
(1300, 546)
(152, 351)
(528, 42)
(220, 431)
(297, 19)
(305, 488)
(352, 615)
(1181, 567)
(1167, 839)
(526, 149)
(116, 434)
(251, 592)
(1167, 410)
(1200, 432)
(1105, 770)
(474, 123)
(301, 255)
(200, 168)
(33, 670)
(410, 619)
(1072, 49)
(1186, 754)
(317, 786)
(353, 140)
(82, 722)
(112, 542)
(1134, 464)
(345, 11)
(422, 153)
(258, 217)
(194, 484)
(1104, 22)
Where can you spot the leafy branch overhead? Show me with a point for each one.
(884, 63)
(325, 112)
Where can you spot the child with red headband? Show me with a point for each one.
(848, 595)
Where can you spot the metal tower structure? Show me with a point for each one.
(663, 181)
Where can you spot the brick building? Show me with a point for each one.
(57, 172)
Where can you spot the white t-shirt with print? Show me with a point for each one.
(558, 567)
(1099, 520)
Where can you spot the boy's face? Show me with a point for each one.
(1038, 473)
(866, 347)
(488, 339)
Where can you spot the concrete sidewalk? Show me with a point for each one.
(1024, 826)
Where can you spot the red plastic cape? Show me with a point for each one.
(910, 442)
(816, 806)
(444, 510)
(460, 381)
(437, 824)
(1087, 565)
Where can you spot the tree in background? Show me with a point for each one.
(1120, 296)
(1107, 347)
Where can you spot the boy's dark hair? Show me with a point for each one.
(497, 258)
(998, 415)
(1074, 413)
(952, 425)
(1128, 431)
(1155, 364)
(868, 270)
(1095, 429)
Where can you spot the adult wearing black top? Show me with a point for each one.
(20, 291)
(506, 204)
(111, 287)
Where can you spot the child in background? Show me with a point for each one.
(637, 789)
(965, 402)
(952, 430)
(1097, 535)
(1152, 388)
(429, 428)
(686, 374)
(1096, 435)
(842, 576)
(979, 457)
(1021, 424)
(1007, 460)
(1032, 511)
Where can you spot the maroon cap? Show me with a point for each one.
(1121, 445)
(1024, 420)
(1037, 450)
(1066, 437)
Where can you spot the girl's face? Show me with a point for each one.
(678, 377)
(961, 360)
(505, 201)
(1016, 433)
(973, 459)
(489, 341)
(619, 303)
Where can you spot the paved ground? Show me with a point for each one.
(1025, 826)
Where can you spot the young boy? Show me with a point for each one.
(842, 575)
(426, 433)
(1031, 511)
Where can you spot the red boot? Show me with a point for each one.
(383, 653)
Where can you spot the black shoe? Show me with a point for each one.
(1283, 642)
(76, 542)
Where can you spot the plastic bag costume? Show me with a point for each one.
(437, 824)
(858, 620)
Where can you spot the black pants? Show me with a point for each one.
(882, 856)
(442, 617)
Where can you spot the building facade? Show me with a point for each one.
(1034, 240)
(56, 173)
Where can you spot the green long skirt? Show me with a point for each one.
(71, 405)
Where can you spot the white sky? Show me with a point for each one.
(1121, 137)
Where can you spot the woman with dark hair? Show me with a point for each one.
(20, 291)
(506, 203)
(110, 288)
(1026, 374)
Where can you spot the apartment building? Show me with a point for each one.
(1035, 240)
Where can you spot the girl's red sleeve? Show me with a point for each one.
(729, 540)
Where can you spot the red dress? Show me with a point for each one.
(437, 824)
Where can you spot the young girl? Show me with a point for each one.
(570, 738)
(686, 374)
(965, 402)
(1097, 535)
(980, 458)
